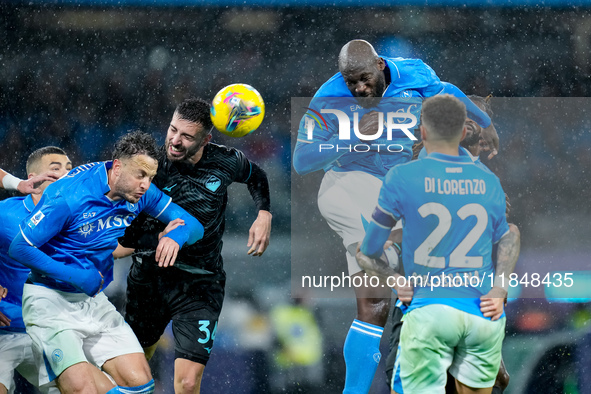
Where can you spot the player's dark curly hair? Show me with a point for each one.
(39, 153)
(135, 142)
(196, 110)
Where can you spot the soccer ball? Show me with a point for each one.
(237, 110)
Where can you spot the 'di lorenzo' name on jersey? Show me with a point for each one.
(455, 186)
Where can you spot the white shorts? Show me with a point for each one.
(469, 345)
(346, 200)
(69, 328)
(17, 354)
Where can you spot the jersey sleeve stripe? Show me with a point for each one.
(164, 209)
(373, 334)
(25, 237)
(397, 70)
(361, 325)
(249, 173)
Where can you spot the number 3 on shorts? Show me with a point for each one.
(203, 327)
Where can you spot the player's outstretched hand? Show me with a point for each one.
(492, 304)
(31, 185)
(166, 252)
(3, 292)
(259, 234)
(489, 141)
(4, 321)
(171, 226)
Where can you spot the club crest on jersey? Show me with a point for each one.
(213, 183)
(406, 94)
(131, 207)
(57, 356)
(86, 229)
(34, 221)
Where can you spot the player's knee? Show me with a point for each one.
(139, 377)
(188, 384)
(373, 310)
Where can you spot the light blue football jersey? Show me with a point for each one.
(411, 80)
(452, 212)
(12, 273)
(76, 225)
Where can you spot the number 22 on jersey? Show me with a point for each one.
(458, 257)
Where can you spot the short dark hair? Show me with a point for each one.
(444, 115)
(196, 110)
(135, 142)
(39, 153)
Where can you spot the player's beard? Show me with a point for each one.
(472, 137)
(188, 152)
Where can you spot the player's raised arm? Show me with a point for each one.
(489, 132)
(308, 155)
(429, 84)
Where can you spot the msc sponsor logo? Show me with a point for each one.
(112, 221)
(115, 221)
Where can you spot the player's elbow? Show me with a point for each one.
(300, 168)
(513, 229)
(15, 251)
(302, 162)
(300, 165)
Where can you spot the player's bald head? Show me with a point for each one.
(357, 55)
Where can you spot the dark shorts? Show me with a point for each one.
(193, 302)
(394, 340)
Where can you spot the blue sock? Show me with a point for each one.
(147, 388)
(362, 355)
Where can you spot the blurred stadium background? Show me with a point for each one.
(79, 74)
